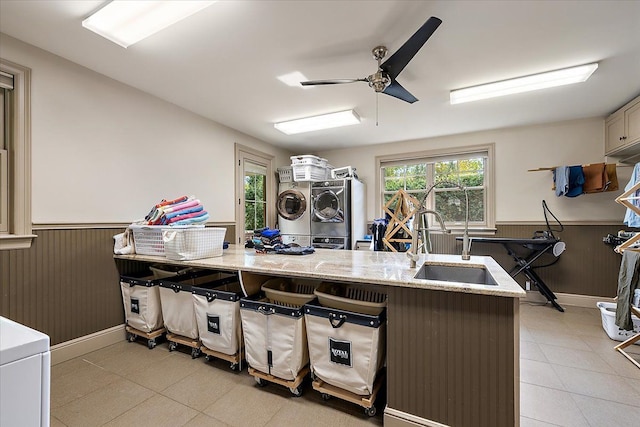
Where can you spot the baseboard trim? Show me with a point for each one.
(86, 344)
(395, 418)
(586, 301)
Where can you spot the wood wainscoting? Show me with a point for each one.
(66, 285)
(587, 267)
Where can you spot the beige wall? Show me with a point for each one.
(106, 152)
(519, 193)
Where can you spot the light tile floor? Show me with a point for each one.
(570, 376)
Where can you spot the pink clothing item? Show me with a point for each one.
(181, 206)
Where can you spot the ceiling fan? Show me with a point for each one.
(384, 80)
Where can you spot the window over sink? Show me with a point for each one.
(416, 173)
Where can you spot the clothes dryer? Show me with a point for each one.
(337, 212)
(293, 208)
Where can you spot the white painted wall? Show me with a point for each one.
(519, 193)
(106, 152)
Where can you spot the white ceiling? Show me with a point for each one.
(222, 63)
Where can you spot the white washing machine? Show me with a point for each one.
(25, 372)
(293, 206)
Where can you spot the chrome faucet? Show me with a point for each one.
(421, 213)
(466, 241)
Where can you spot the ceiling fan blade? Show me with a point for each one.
(396, 62)
(396, 90)
(331, 82)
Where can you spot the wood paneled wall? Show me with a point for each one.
(66, 285)
(458, 362)
(587, 267)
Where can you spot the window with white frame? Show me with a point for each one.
(15, 156)
(443, 172)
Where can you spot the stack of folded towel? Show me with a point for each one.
(185, 210)
(267, 237)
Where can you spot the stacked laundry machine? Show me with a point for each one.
(326, 214)
(293, 206)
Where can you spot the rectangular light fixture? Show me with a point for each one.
(324, 121)
(126, 22)
(561, 77)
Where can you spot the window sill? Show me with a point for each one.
(472, 231)
(16, 241)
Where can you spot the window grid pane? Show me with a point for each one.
(466, 170)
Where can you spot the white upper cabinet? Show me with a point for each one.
(622, 131)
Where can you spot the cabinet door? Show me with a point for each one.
(632, 123)
(614, 132)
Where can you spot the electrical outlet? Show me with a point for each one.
(527, 285)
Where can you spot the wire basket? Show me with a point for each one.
(285, 174)
(194, 243)
(302, 173)
(308, 159)
(351, 297)
(289, 294)
(148, 239)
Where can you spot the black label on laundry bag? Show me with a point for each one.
(340, 352)
(135, 305)
(213, 324)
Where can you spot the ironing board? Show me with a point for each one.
(537, 247)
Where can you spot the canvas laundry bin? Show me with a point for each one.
(141, 298)
(346, 349)
(217, 311)
(274, 337)
(177, 303)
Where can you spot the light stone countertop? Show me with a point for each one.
(371, 267)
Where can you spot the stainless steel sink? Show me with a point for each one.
(454, 273)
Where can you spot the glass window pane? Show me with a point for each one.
(393, 184)
(259, 186)
(249, 216)
(261, 213)
(476, 205)
(451, 205)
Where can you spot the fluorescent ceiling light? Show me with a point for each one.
(126, 22)
(294, 79)
(561, 77)
(325, 121)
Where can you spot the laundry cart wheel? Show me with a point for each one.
(296, 391)
(131, 337)
(326, 396)
(234, 367)
(195, 353)
(370, 411)
(172, 345)
(260, 382)
(151, 343)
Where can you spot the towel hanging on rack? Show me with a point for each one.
(630, 198)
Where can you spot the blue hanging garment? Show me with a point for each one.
(576, 179)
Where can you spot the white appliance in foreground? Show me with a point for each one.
(25, 372)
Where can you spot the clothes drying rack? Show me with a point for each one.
(626, 199)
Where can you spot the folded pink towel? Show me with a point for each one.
(180, 206)
(187, 216)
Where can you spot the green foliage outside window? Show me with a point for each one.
(447, 199)
(255, 208)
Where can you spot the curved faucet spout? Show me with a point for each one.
(466, 241)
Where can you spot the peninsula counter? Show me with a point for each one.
(452, 348)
